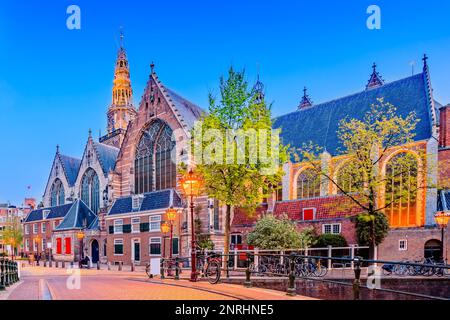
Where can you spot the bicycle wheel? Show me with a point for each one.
(213, 272)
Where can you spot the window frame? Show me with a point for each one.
(157, 221)
(116, 243)
(405, 245)
(150, 246)
(134, 224)
(332, 226)
(118, 223)
(35, 228)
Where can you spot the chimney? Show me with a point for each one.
(444, 130)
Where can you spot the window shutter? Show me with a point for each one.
(127, 228)
(145, 227)
(111, 229)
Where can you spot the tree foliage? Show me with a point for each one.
(365, 223)
(334, 240)
(236, 182)
(12, 234)
(271, 233)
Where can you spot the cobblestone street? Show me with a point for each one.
(61, 284)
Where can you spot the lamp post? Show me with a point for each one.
(171, 215)
(165, 228)
(191, 186)
(37, 239)
(80, 237)
(442, 220)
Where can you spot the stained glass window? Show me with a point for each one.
(90, 190)
(154, 168)
(57, 194)
(308, 184)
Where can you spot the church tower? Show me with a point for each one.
(121, 111)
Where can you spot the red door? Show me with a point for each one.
(58, 246)
(68, 245)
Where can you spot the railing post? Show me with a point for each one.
(357, 281)
(352, 256)
(227, 264)
(2, 274)
(177, 269)
(235, 258)
(330, 256)
(8, 279)
(162, 268)
(256, 259)
(248, 282)
(292, 290)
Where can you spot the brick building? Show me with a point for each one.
(129, 178)
(311, 202)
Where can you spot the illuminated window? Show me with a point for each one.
(349, 179)
(154, 168)
(401, 191)
(308, 184)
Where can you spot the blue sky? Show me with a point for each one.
(55, 83)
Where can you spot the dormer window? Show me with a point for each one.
(46, 213)
(137, 202)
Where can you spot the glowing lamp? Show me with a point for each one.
(442, 219)
(171, 214)
(191, 184)
(80, 235)
(165, 227)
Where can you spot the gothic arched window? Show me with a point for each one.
(154, 168)
(401, 191)
(57, 194)
(308, 184)
(90, 190)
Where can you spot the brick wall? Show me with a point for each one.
(444, 130)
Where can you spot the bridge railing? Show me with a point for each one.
(9, 273)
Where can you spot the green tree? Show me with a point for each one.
(12, 234)
(228, 148)
(272, 233)
(366, 142)
(334, 240)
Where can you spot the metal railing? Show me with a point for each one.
(9, 273)
(296, 265)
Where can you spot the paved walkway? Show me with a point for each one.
(40, 283)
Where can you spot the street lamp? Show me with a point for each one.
(37, 240)
(80, 237)
(442, 220)
(191, 184)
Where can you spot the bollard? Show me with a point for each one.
(56, 264)
(120, 266)
(162, 269)
(63, 264)
(248, 282)
(357, 281)
(50, 263)
(45, 263)
(98, 265)
(177, 269)
(109, 266)
(292, 290)
(132, 266)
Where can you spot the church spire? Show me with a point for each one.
(258, 90)
(375, 79)
(121, 111)
(306, 100)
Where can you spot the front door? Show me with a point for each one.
(95, 251)
(137, 251)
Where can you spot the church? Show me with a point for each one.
(109, 204)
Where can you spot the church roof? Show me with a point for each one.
(188, 110)
(71, 167)
(55, 213)
(152, 201)
(78, 217)
(320, 123)
(107, 156)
